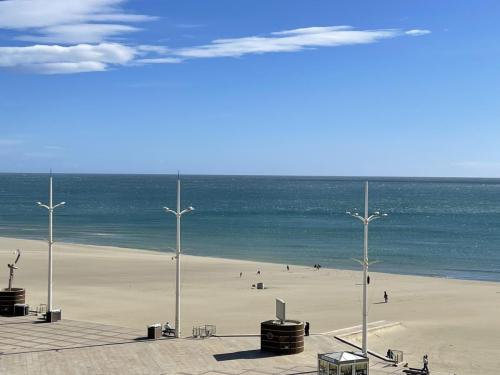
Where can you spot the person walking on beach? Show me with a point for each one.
(426, 364)
(241, 274)
(287, 267)
(386, 297)
(306, 329)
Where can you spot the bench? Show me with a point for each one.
(168, 331)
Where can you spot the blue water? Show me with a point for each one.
(437, 227)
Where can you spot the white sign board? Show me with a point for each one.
(280, 309)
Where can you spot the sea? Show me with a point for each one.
(438, 227)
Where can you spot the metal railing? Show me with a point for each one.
(201, 332)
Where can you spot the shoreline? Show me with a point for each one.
(354, 269)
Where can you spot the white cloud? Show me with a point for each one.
(76, 36)
(78, 33)
(67, 21)
(155, 49)
(160, 60)
(58, 59)
(417, 32)
(287, 41)
(66, 59)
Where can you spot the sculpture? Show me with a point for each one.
(13, 267)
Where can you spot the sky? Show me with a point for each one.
(274, 87)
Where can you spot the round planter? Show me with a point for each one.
(282, 338)
(8, 298)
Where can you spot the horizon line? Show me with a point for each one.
(256, 175)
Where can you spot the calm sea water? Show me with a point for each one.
(439, 227)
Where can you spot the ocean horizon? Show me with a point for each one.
(442, 227)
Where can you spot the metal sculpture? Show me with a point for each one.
(13, 267)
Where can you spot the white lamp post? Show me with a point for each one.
(366, 219)
(178, 213)
(50, 207)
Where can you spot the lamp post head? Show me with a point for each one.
(39, 203)
(191, 208)
(170, 210)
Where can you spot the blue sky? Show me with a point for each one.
(391, 88)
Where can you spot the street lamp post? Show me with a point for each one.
(178, 214)
(50, 207)
(366, 219)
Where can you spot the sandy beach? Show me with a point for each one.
(454, 321)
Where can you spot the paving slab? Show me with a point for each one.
(73, 347)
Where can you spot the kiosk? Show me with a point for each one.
(342, 363)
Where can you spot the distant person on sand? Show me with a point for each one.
(258, 272)
(241, 274)
(287, 267)
(306, 329)
(386, 297)
(426, 364)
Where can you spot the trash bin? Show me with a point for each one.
(53, 316)
(21, 309)
(154, 331)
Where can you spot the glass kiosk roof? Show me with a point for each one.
(342, 363)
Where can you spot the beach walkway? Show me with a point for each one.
(73, 347)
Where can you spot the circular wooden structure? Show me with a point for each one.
(8, 298)
(282, 337)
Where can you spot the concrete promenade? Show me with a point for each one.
(28, 346)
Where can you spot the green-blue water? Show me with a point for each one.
(440, 227)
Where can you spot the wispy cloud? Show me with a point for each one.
(417, 32)
(67, 22)
(287, 41)
(160, 60)
(79, 33)
(88, 36)
(50, 59)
